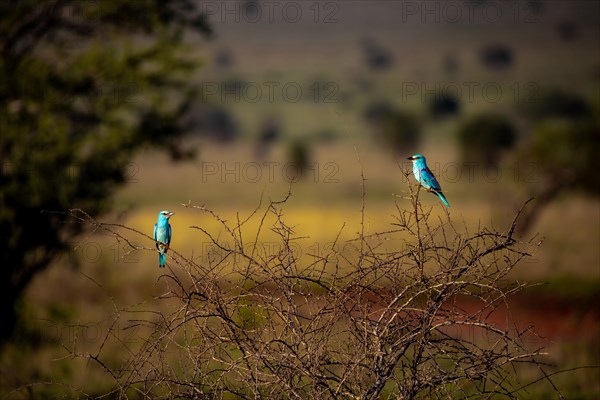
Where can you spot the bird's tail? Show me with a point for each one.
(162, 260)
(443, 198)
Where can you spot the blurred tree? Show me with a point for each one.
(450, 63)
(484, 137)
(497, 56)
(444, 104)
(299, 158)
(568, 31)
(82, 86)
(395, 129)
(561, 156)
(376, 57)
(223, 58)
(269, 133)
(534, 8)
(252, 9)
(557, 103)
(216, 123)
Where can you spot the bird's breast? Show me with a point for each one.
(161, 233)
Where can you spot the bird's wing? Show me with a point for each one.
(169, 234)
(155, 236)
(428, 179)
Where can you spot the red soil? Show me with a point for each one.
(549, 317)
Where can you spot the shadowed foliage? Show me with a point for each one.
(376, 57)
(393, 129)
(557, 103)
(562, 153)
(497, 57)
(299, 158)
(444, 104)
(482, 138)
(83, 85)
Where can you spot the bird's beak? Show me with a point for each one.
(410, 158)
(171, 213)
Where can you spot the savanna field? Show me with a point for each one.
(111, 276)
(323, 112)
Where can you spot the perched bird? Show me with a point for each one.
(425, 177)
(162, 236)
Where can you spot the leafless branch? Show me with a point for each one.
(353, 323)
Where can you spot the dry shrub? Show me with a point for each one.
(364, 323)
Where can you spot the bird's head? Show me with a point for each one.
(417, 157)
(165, 214)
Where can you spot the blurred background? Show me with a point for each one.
(123, 109)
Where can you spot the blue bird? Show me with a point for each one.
(162, 236)
(425, 177)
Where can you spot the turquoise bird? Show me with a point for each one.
(425, 177)
(162, 236)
